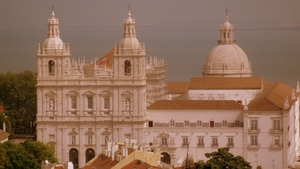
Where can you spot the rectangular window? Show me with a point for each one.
(230, 141)
(211, 124)
(73, 103)
(185, 141)
(186, 123)
(200, 141)
(172, 123)
(254, 141)
(199, 123)
(215, 142)
(150, 123)
(276, 142)
(237, 123)
(254, 125)
(276, 125)
(224, 123)
(106, 103)
(90, 102)
(164, 141)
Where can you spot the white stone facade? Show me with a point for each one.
(81, 107)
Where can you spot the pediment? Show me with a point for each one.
(73, 133)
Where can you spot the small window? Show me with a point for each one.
(73, 103)
(211, 124)
(230, 141)
(185, 141)
(199, 123)
(51, 64)
(186, 123)
(254, 141)
(200, 141)
(106, 102)
(127, 67)
(150, 123)
(172, 123)
(224, 123)
(164, 141)
(215, 142)
(90, 102)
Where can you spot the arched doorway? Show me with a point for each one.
(165, 157)
(89, 154)
(73, 157)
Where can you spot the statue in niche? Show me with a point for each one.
(89, 139)
(127, 68)
(73, 140)
(51, 104)
(127, 104)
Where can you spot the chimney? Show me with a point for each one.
(4, 127)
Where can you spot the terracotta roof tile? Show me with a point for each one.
(226, 83)
(3, 135)
(136, 164)
(194, 104)
(272, 97)
(177, 87)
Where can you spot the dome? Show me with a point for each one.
(227, 60)
(53, 43)
(129, 43)
(227, 25)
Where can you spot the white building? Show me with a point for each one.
(82, 106)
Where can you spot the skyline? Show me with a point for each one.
(182, 33)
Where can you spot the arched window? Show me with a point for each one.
(127, 67)
(89, 154)
(51, 67)
(165, 157)
(73, 157)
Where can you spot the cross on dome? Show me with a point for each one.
(52, 10)
(129, 14)
(226, 15)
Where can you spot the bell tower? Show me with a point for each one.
(129, 54)
(53, 56)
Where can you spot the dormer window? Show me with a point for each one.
(51, 64)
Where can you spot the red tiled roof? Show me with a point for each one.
(226, 83)
(3, 135)
(272, 97)
(194, 104)
(177, 87)
(58, 167)
(136, 164)
(105, 59)
(101, 161)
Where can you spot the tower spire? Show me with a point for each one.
(129, 14)
(53, 15)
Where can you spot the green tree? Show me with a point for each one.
(18, 96)
(27, 155)
(188, 162)
(40, 150)
(223, 159)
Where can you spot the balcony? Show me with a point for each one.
(199, 145)
(250, 146)
(253, 131)
(276, 131)
(273, 146)
(214, 145)
(230, 145)
(184, 145)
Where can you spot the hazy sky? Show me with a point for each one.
(92, 26)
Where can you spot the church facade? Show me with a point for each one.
(123, 95)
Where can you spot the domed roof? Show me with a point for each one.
(129, 43)
(227, 60)
(53, 43)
